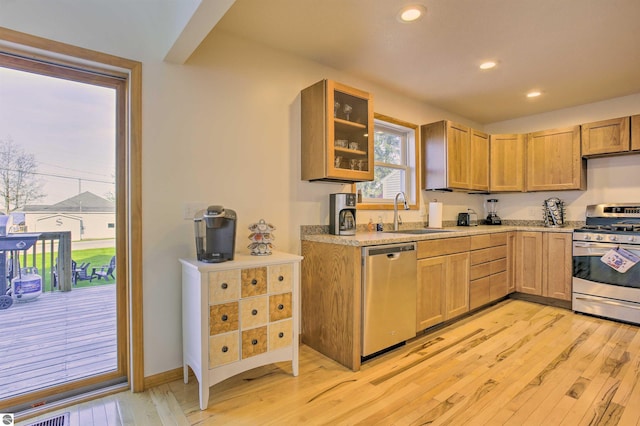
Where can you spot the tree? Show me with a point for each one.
(387, 150)
(19, 184)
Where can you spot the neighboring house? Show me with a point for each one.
(86, 215)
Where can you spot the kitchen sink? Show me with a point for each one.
(416, 231)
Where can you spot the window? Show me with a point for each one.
(395, 164)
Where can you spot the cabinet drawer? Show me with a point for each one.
(223, 349)
(280, 306)
(479, 292)
(223, 286)
(254, 282)
(223, 318)
(498, 286)
(280, 334)
(480, 256)
(280, 278)
(432, 248)
(488, 240)
(496, 266)
(254, 312)
(254, 342)
(480, 241)
(498, 239)
(498, 252)
(479, 271)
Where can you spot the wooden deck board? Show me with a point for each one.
(67, 336)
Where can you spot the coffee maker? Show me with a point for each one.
(215, 234)
(342, 214)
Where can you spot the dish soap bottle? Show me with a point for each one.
(380, 225)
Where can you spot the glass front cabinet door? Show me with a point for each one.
(337, 133)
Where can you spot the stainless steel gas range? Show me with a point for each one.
(606, 279)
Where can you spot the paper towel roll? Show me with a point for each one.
(435, 215)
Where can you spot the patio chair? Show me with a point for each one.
(104, 271)
(80, 273)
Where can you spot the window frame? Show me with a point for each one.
(72, 62)
(412, 177)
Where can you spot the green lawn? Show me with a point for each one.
(96, 257)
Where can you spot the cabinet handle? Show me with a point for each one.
(281, 335)
(254, 281)
(224, 286)
(280, 307)
(254, 312)
(225, 349)
(254, 341)
(225, 317)
(280, 278)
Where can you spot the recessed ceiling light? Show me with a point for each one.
(411, 13)
(487, 65)
(534, 94)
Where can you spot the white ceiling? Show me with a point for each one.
(574, 51)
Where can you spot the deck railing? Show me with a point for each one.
(51, 254)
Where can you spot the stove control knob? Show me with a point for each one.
(599, 237)
(587, 237)
(613, 238)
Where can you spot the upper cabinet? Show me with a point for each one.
(605, 137)
(554, 161)
(454, 157)
(479, 161)
(635, 132)
(507, 155)
(337, 133)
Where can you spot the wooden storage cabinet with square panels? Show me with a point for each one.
(239, 315)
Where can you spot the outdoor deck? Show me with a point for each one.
(67, 336)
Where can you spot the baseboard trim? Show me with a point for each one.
(165, 377)
(565, 304)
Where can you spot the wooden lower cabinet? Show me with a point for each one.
(557, 273)
(331, 290)
(443, 281)
(488, 272)
(543, 264)
(529, 262)
(511, 261)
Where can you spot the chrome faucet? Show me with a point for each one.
(396, 217)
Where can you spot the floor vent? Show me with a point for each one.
(60, 420)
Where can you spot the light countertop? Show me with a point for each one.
(361, 239)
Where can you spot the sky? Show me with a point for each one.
(69, 127)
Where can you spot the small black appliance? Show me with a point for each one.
(342, 214)
(215, 230)
(493, 218)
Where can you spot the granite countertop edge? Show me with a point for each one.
(362, 239)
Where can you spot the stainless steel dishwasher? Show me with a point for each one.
(389, 275)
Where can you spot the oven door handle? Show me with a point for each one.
(605, 246)
(608, 302)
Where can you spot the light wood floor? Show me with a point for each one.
(518, 363)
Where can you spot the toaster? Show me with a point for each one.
(469, 218)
